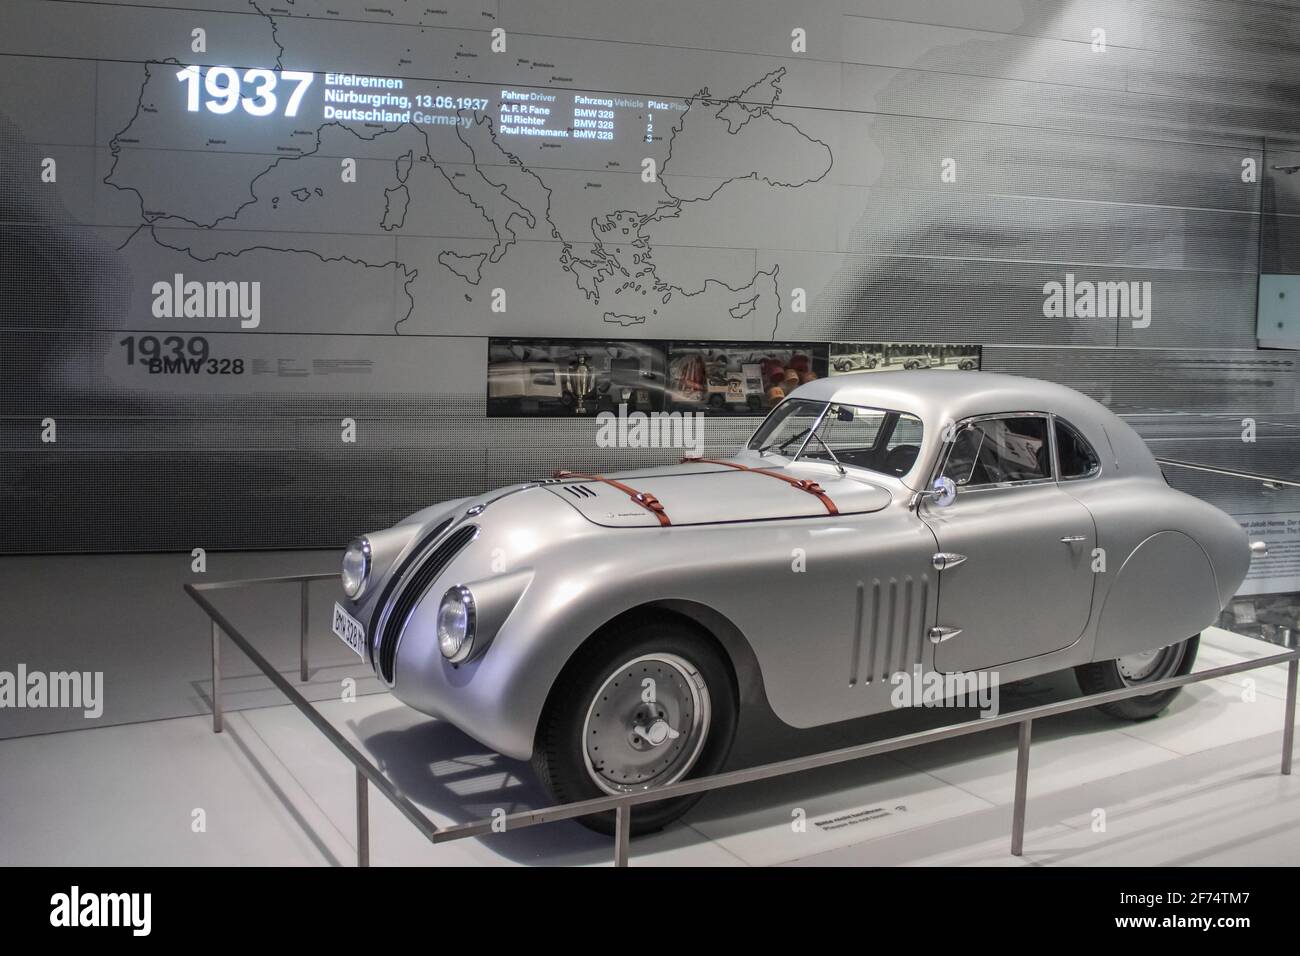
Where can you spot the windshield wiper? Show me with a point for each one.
(792, 439)
(811, 430)
(838, 466)
(782, 447)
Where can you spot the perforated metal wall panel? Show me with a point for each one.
(924, 171)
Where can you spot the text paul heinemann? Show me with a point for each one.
(76, 908)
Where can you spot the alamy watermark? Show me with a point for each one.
(1085, 299)
(130, 910)
(179, 299)
(77, 690)
(921, 688)
(683, 430)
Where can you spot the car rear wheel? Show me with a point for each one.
(639, 707)
(1134, 670)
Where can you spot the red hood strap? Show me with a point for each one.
(802, 484)
(646, 500)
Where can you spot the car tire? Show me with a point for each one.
(1171, 661)
(672, 652)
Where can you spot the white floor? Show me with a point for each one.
(1199, 785)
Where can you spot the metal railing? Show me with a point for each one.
(367, 772)
(1270, 482)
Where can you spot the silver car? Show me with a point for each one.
(609, 627)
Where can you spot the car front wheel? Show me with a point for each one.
(1134, 670)
(639, 707)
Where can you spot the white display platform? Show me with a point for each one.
(1198, 785)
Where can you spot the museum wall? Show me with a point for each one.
(919, 171)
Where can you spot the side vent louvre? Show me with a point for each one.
(580, 491)
(416, 578)
(889, 630)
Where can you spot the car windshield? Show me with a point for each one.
(852, 435)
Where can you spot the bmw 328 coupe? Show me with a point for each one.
(609, 627)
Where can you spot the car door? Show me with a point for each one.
(1015, 548)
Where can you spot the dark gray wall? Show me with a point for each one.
(817, 170)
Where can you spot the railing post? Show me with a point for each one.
(363, 819)
(622, 832)
(1288, 714)
(302, 638)
(216, 678)
(1022, 785)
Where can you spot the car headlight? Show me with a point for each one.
(456, 624)
(356, 568)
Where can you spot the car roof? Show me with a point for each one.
(947, 393)
(938, 396)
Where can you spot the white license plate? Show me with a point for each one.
(351, 631)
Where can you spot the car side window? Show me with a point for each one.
(907, 431)
(904, 446)
(1000, 450)
(1077, 458)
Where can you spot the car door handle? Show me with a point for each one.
(940, 634)
(1074, 538)
(946, 559)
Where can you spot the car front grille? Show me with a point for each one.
(394, 581)
(419, 574)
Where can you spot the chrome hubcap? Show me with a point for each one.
(1146, 667)
(647, 724)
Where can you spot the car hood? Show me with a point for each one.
(705, 493)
